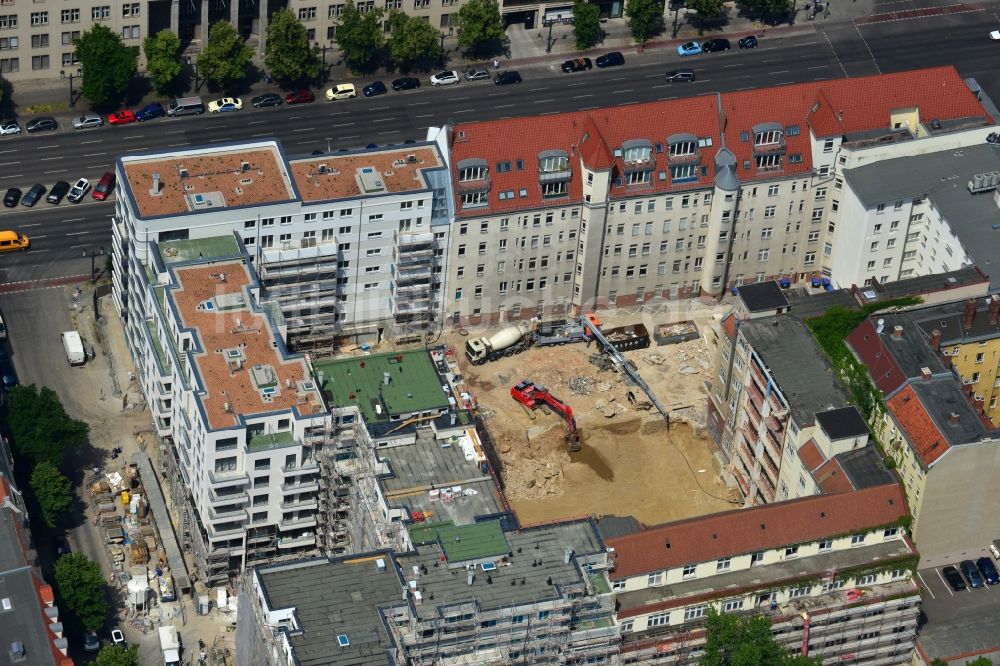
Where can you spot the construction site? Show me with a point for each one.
(632, 458)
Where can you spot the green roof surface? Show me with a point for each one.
(414, 385)
(462, 543)
(198, 248)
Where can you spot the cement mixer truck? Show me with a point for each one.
(515, 339)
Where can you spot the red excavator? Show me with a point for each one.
(534, 396)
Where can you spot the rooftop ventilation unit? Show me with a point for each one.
(369, 180)
(984, 182)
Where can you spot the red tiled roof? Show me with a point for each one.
(929, 443)
(811, 456)
(828, 107)
(742, 531)
(830, 478)
(729, 326)
(882, 366)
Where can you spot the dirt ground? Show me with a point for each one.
(629, 463)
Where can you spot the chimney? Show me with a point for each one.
(969, 314)
(936, 340)
(925, 373)
(993, 309)
(953, 417)
(156, 182)
(897, 331)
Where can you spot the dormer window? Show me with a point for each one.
(683, 149)
(768, 138)
(472, 170)
(553, 161)
(637, 152)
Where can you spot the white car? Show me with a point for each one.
(78, 191)
(341, 91)
(444, 78)
(995, 35)
(225, 104)
(9, 128)
(118, 637)
(88, 121)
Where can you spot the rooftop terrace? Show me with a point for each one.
(344, 175)
(172, 252)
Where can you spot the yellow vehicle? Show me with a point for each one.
(11, 241)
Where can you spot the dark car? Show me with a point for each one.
(8, 376)
(91, 643)
(971, 573)
(267, 99)
(150, 112)
(33, 195)
(508, 77)
(613, 59)
(749, 42)
(300, 97)
(12, 197)
(989, 570)
(954, 578)
(686, 75)
(41, 124)
(577, 65)
(715, 45)
(373, 89)
(57, 192)
(406, 83)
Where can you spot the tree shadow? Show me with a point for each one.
(138, 89)
(8, 107)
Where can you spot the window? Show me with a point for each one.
(39, 41)
(867, 579)
(626, 627)
(832, 585)
(695, 612)
(825, 545)
(792, 551)
(828, 146)
(688, 571)
(307, 13)
(40, 62)
(70, 15)
(857, 539)
(131, 32)
(723, 564)
(8, 22)
(762, 255)
(100, 13)
(797, 592)
(655, 578)
(810, 258)
(732, 605)
(130, 9)
(769, 211)
(39, 18)
(658, 619)
(766, 233)
(757, 557)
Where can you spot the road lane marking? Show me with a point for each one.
(926, 586)
(343, 125)
(8, 163)
(101, 154)
(465, 111)
(390, 132)
(581, 96)
(49, 159)
(458, 99)
(135, 150)
(618, 78)
(573, 85)
(943, 582)
(92, 141)
(304, 129)
(75, 219)
(618, 92)
(503, 106)
(780, 71)
(818, 67)
(739, 64)
(543, 101)
(426, 115)
(536, 89)
(56, 171)
(383, 120)
(2, 152)
(257, 122)
(379, 108)
(76, 233)
(419, 103)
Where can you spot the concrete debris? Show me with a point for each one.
(655, 359)
(602, 362)
(604, 387)
(609, 408)
(688, 370)
(581, 385)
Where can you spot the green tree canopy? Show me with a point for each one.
(107, 64)
(163, 60)
(289, 58)
(52, 492)
(644, 17)
(480, 26)
(586, 23)
(226, 58)
(738, 640)
(40, 429)
(707, 9)
(360, 37)
(413, 41)
(768, 9)
(118, 655)
(80, 589)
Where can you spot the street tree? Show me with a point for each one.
(586, 23)
(706, 9)
(480, 26)
(107, 64)
(52, 492)
(360, 37)
(289, 58)
(412, 41)
(40, 429)
(733, 640)
(80, 590)
(226, 58)
(163, 60)
(118, 655)
(770, 10)
(645, 17)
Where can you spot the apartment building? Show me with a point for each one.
(832, 572)
(348, 247)
(463, 595)
(938, 426)
(681, 198)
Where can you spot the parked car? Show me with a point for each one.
(104, 187)
(689, 49)
(508, 77)
(988, 570)
(8, 375)
(374, 89)
(748, 42)
(477, 74)
(577, 65)
(57, 192)
(88, 121)
(225, 105)
(11, 198)
(90, 642)
(995, 549)
(613, 59)
(406, 83)
(125, 117)
(267, 99)
(341, 91)
(954, 578)
(117, 637)
(715, 45)
(32, 196)
(995, 35)
(445, 78)
(78, 191)
(150, 111)
(41, 124)
(9, 128)
(971, 573)
(300, 97)
(680, 75)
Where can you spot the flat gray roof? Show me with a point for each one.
(801, 369)
(805, 305)
(942, 177)
(865, 468)
(942, 396)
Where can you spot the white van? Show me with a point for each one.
(73, 346)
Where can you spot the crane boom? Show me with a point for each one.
(533, 396)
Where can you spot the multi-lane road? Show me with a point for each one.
(63, 236)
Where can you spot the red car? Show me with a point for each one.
(104, 187)
(300, 97)
(121, 118)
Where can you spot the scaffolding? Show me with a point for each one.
(413, 301)
(299, 280)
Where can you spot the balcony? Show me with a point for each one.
(306, 486)
(227, 478)
(769, 464)
(218, 498)
(766, 487)
(234, 512)
(749, 433)
(741, 482)
(682, 159)
(297, 523)
(756, 398)
(301, 504)
(481, 185)
(758, 375)
(308, 466)
(296, 541)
